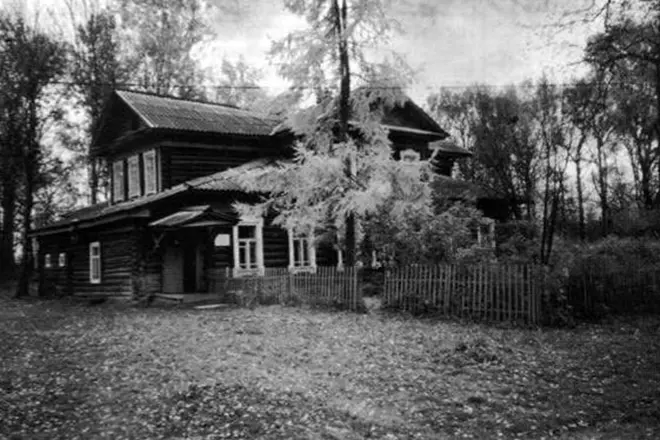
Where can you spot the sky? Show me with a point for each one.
(450, 43)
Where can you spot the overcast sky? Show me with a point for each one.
(453, 42)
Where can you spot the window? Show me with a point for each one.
(47, 261)
(150, 176)
(61, 261)
(302, 255)
(95, 262)
(118, 181)
(133, 176)
(248, 247)
(409, 156)
(486, 234)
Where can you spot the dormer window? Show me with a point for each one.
(133, 176)
(409, 156)
(150, 176)
(118, 181)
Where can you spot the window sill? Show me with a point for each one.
(302, 269)
(240, 273)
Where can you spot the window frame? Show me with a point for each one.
(150, 181)
(48, 262)
(486, 233)
(92, 278)
(61, 259)
(303, 242)
(134, 187)
(118, 181)
(255, 267)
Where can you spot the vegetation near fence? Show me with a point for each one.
(593, 291)
(485, 291)
(326, 287)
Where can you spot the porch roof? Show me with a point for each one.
(195, 216)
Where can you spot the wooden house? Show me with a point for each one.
(169, 226)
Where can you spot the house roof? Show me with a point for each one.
(195, 216)
(449, 147)
(181, 114)
(224, 181)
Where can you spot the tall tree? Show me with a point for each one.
(32, 60)
(344, 149)
(629, 51)
(96, 71)
(162, 35)
(503, 138)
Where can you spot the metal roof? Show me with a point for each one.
(179, 114)
(195, 216)
(449, 147)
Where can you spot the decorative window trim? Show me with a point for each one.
(134, 189)
(299, 240)
(118, 190)
(95, 278)
(411, 154)
(150, 172)
(61, 259)
(259, 270)
(48, 263)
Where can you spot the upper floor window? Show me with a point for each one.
(47, 261)
(134, 176)
(150, 176)
(302, 255)
(61, 261)
(118, 181)
(248, 247)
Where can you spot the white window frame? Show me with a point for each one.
(118, 190)
(48, 263)
(150, 172)
(301, 240)
(258, 263)
(95, 278)
(61, 259)
(410, 153)
(134, 189)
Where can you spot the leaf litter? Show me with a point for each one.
(69, 371)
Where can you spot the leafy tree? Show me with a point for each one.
(498, 127)
(160, 35)
(32, 60)
(343, 150)
(628, 51)
(238, 85)
(96, 71)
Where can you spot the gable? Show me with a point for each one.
(117, 120)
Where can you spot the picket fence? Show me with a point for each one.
(327, 287)
(494, 292)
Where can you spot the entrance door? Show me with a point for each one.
(173, 270)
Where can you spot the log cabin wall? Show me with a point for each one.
(118, 251)
(181, 161)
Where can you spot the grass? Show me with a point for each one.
(75, 371)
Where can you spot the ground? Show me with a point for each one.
(80, 371)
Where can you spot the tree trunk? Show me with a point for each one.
(7, 262)
(580, 197)
(340, 12)
(22, 288)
